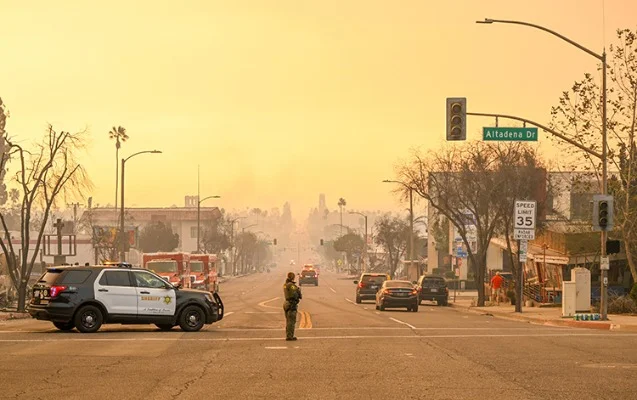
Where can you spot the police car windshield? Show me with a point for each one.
(196, 266)
(163, 266)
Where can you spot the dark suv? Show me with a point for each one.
(87, 297)
(308, 276)
(367, 286)
(433, 288)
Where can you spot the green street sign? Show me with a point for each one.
(510, 134)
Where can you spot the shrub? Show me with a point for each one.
(622, 305)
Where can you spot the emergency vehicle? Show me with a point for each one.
(203, 271)
(84, 298)
(174, 267)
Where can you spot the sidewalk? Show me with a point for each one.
(9, 315)
(550, 316)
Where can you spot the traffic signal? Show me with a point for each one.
(274, 241)
(612, 246)
(602, 213)
(456, 118)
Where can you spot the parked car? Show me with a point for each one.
(433, 288)
(368, 285)
(396, 294)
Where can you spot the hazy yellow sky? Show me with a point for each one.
(281, 99)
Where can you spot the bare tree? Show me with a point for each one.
(45, 174)
(393, 235)
(460, 184)
(579, 115)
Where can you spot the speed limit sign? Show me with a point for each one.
(524, 219)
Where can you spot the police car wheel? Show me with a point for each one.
(164, 327)
(64, 326)
(88, 319)
(192, 319)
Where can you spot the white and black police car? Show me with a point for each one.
(87, 297)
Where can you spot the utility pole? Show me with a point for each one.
(59, 259)
(603, 157)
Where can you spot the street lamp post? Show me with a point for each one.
(122, 244)
(365, 245)
(603, 157)
(198, 215)
(232, 247)
(411, 219)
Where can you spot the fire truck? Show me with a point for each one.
(173, 267)
(203, 271)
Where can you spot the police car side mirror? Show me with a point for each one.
(176, 286)
(355, 282)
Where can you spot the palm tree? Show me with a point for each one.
(120, 136)
(341, 203)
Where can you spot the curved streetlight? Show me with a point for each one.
(411, 218)
(122, 251)
(198, 215)
(603, 157)
(364, 245)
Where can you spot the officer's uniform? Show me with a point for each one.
(292, 297)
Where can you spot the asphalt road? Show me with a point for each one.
(344, 351)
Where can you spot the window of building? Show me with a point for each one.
(581, 206)
(193, 232)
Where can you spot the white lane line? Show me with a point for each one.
(333, 290)
(261, 312)
(263, 303)
(228, 314)
(276, 347)
(402, 322)
(346, 299)
(260, 339)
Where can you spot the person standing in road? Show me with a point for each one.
(292, 297)
(496, 286)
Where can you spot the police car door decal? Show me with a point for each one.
(153, 297)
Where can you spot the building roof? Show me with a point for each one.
(148, 214)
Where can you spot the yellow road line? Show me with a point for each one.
(306, 320)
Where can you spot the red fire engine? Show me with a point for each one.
(203, 271)
(173, 267)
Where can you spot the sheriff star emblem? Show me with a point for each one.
(168, 299)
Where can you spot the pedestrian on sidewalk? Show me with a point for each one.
(292, 295)
(496, 286)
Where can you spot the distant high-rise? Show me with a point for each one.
(322, 205)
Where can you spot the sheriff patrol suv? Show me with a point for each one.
(87, 297)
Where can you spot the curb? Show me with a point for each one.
(601, 325)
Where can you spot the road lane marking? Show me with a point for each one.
(228, 313)
(402, 322)
(333, 290)
(276, 347)
(264, 303)
(306, 320)
(180, 338)
(346, 299)
(261, 312)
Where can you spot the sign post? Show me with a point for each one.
(524, 215)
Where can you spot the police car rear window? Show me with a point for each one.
(50, 276)
(75, 277)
